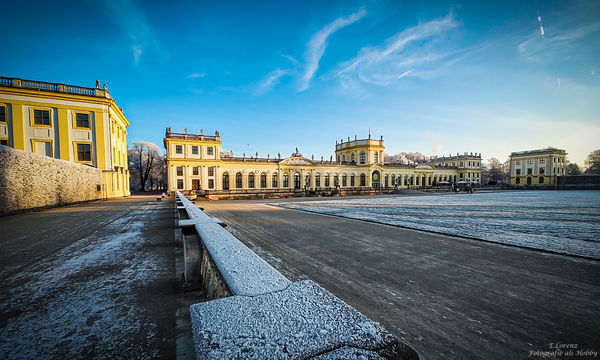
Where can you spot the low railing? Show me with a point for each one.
(192, 136)
(53, 87)
(259, 313)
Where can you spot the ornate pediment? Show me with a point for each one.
(296, 160)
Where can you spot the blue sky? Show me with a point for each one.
(433, 77)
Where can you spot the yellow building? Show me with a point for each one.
(78, 124)
(537, 167)
(195, 164)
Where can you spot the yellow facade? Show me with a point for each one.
(537, 167)
(194, 164)
(82, 125)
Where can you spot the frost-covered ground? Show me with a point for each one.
(103, 295)
(560, 221)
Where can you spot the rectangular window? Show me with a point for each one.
(178, 149)
(251, 181)
(351, 180)
(195, 170)
(195, 150)
(210, 150)
(274, 181)
(542, 171)
(179, 184)
(84, 152)
(529, 161)
(180, 171)
(2, 113)
(82, 120)
(529, 171)
(518, 172)
(211, 183)
(344, 180)
(211, 171)
(542, 160)
(41, 117)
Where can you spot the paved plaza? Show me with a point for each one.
(445, 296)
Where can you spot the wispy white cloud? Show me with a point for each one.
(269, 81)
(133, 23)
(318, 43)
(195, 75)
(292, 59)
(137, 54)
(557, 44)
(389, 62)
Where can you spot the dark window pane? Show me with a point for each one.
(84, 152)
(82, 120)
(2, 113)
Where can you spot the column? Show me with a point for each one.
(18, 126)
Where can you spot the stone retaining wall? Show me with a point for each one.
(30, 181)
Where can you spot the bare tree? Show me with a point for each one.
(493, 172)
(573, 169)
(592, 163)
(405, 158)
(143, 157)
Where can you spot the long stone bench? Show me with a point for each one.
(263, 315)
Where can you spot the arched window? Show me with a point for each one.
(352, 180)
(286, 181)
(363, 180)
(336, 180)
(541, 179)
(317, 180)
(353, 159)
(518, 180)
(387, 179)
(263, 180)
(344, 159)
(307, 180)
(274, 181)
(251, 180)
(238, 180)
(393, 179)
(225, 181)
(362, 157)
(326, 180)
(296, 181)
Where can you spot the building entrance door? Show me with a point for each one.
(529, 180)
(195, 184)
(225, 181)
(375, 179)
(296, 181)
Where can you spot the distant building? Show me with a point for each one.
(537, 167)
(195, 164)
(78, 124)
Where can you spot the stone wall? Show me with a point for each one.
(30, 181)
